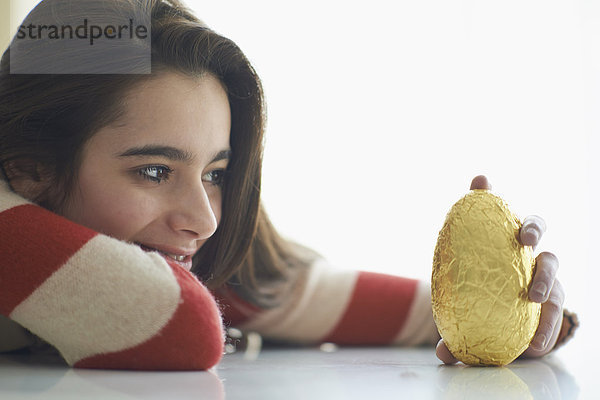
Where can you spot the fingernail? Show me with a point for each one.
(540, 288)
(539, 342)
(530, 230)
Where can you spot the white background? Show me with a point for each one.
(381, 112)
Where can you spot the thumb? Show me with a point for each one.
(442, 352)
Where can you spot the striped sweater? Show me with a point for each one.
(104, 303)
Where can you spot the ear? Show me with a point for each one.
(26, 177)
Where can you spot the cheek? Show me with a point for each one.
(119, 213)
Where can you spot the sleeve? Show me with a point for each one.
(101, 302)
(341, 306)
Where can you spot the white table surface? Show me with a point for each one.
(310, 373)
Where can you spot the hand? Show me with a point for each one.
(545, 289)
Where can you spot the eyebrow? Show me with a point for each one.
(222, 155)
(171, 153)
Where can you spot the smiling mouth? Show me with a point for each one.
(175, 257)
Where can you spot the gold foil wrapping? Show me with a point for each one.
(480, 282)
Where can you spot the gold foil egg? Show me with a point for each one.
(480, 282)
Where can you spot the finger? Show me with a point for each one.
(442, 352)
(480, 182)
(531, 352)
(551, 313)
(546, 265)
(532, 230)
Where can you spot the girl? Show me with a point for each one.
(131, 225)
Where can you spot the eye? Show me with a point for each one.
(155, 173)
(215, 177)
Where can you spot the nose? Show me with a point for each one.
(194, 212)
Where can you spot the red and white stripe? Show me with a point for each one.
(101, 302)
(344, 307)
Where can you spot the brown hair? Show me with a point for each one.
(45, 119)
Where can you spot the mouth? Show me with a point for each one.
(183, 260)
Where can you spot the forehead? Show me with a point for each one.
(173, 110)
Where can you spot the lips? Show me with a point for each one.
(181, 258)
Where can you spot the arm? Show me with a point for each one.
(101, 302)
(345, 307)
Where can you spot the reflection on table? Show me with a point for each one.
(287, 373)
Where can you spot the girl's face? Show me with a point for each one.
(154, 177)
